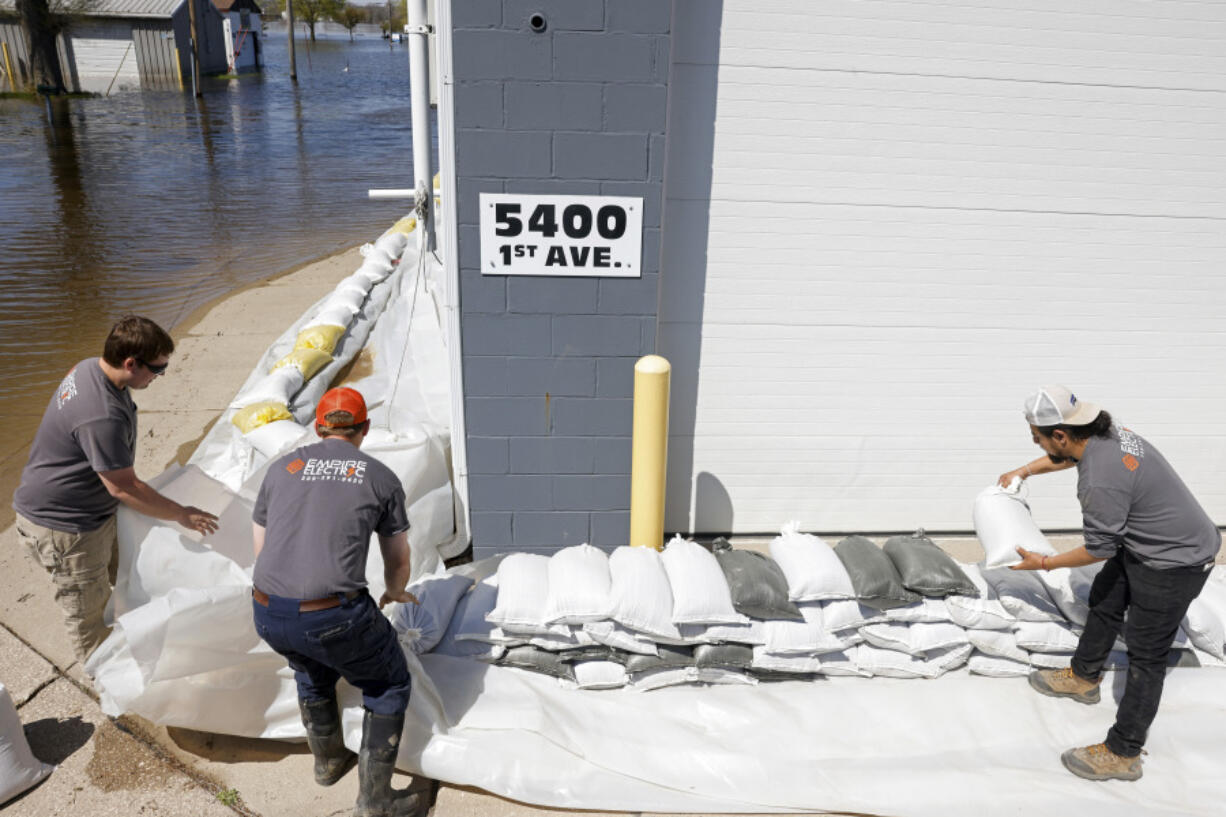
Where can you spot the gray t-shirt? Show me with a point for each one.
(1131, 497)
(318, 505)
(89, 426)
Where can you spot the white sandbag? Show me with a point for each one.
(640, 596)
(801, 664)
(844, 664)
(813, 571)
(998, 644)
(612, 634)
(982, 664)
(332, 314)
(948, 659)
(19, 769)
(379, 253)
(599, 675)
(1051, 660)
(579, 585)
(750, 632)
(926, 610)
(356, 283)
(468, 634)
(573, 638)
(808, 637)
(1022, 594)
(1003, 523)
(347, 298)
(392, 243)
(278, 386)
(889, 663)
(982, 612)
(700, 591)
(1205, 622)
(275, 438)
(914, 639)
(421, 626)
(1070, 589)
(839, 615)
(523, 588)
(1046, 636)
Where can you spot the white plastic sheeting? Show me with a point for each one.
(184, 651)
(19, 769)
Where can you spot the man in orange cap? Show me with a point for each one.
(313, 520)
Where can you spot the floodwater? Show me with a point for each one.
(154, 203)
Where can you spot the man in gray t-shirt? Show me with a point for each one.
(81, 467)
(312, 523)
(1159, 545)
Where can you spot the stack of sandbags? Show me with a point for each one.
(262, 410)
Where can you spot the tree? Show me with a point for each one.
(42, 22)
(272, 9)
(349, 17)
(313, 11)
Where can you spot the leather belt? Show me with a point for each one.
(310, 605)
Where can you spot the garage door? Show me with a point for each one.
(886, 222)
(104, 52)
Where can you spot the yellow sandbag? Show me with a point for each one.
(323, 338)
(257, 414)
(406, 225)
(307, 361)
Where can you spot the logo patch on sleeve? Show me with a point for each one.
(1131, 462)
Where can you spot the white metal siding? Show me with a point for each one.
(918, 212)
(105, 50)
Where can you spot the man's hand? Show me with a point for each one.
(404, 597)
(195, 519)
(1006, 479)
(1030, 560)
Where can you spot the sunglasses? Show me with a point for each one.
(152, 368)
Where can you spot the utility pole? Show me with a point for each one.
(191, 14)
(293, 64)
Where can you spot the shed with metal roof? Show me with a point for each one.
(118, 44)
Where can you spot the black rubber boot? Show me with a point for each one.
(376, 762)
(322, 720)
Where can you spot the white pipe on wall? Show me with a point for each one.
(419, 98)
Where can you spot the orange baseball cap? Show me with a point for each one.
(341, 399)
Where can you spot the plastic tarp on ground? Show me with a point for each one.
(184, 653)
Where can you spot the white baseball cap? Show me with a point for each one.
(1056, 405)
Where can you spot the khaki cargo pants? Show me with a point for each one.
(83, 567)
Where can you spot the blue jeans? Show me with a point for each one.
(1156, 602)
(352, 641)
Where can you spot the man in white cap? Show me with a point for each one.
(1159, 546)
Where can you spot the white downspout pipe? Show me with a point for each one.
(419, 98)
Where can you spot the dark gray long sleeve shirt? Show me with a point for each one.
(1131, 497)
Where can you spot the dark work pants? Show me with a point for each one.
(1156, 602)
(353, 641)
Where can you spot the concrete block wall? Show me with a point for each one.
(579, 108)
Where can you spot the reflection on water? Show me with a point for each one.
(154, 203)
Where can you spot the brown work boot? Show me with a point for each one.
(1097, 762)
(1064, 683)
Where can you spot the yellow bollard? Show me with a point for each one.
(650, 453)
(8, 67)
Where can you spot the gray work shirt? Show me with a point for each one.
(89, 426)
(1132, 498)
(318, 506)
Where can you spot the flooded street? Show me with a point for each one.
(155, 203)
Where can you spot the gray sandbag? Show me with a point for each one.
(759, 588)
(723, 656)
(927, 569)
(589, 652)
(537, 660)
(670, 657)
(873, 575)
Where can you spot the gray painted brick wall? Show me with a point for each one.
(548, 362)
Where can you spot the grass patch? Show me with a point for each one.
(228, 797)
